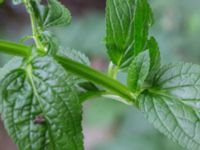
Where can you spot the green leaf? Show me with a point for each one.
(138, 71)
(41, 109)
(74, 55)
(127, 24)
(172, 105)
(154, 53)
(52, 14)
(50, 42)
(155, 59)
(142, 22)
(56, 15)
(9, 66)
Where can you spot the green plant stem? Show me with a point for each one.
(112, 70)
(77, 68)
(96, 77)
(94, 94)
(90, 95)
(34, 26)
(34, 31)
(15, 49)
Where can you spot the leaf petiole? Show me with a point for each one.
(112, 70)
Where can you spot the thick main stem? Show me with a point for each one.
(96, 77)
(15, 49)
(76, 68)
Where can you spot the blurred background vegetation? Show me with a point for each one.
(110, 125)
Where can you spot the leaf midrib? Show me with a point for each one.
(30, 77)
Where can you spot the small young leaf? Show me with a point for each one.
(143, 20)
(51, 15)
(56, 15)
(127, 24)
(41, 109)
(172, 105)
(138, 71)
(155, 59)
(154, 53)
(50, 42)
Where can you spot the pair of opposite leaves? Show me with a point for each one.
(171, 99)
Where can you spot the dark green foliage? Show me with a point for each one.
(41, 94)
(42, 89)
(138, 71)
(127, 25)
(172, 103)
